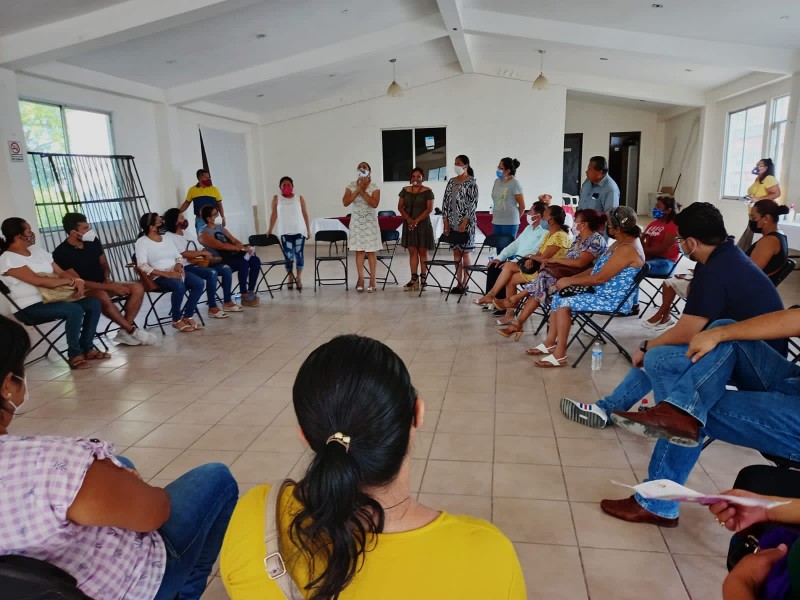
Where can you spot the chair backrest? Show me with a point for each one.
(495, 240)
(389, 235)
(330, 236)
(262, 239)
(387, 213)
(778, 277)
(638, 278)
(15, 308)
(25, 577)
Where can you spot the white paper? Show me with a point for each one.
(664, 489)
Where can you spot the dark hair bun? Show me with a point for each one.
(783, 209)
(516, 164)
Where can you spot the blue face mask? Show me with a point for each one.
(686, 254)
(500, 174)
(658, 213)
(755, 171)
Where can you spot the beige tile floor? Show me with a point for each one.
(494, 443)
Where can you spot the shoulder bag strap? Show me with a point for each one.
(273, 562)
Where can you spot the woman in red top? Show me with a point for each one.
(658, 240)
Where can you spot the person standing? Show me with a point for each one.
(598, 192)
(508, 203)
(415, 206)
(365, 233)
(203, 193)
(290, 216)
(458, 215)
(765, 187)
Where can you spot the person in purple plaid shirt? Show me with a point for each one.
(73, 503)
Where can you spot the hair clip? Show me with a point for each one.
(340, 438)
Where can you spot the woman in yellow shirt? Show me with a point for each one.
(351, 528)
(765, 187)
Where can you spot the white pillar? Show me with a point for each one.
(16, 190)
(790, 172)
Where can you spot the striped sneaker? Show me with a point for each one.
(590, 415)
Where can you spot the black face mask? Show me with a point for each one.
(753, 225)
(162, 229)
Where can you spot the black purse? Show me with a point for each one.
(534, 267)
(574, 290)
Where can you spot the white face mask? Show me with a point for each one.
(89, 236)
(218, 220)
(459, 171)
(25, 397)
(361, 173)
(575, 230)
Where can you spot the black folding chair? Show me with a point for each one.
(387, 213)
(782, 273)
(27, 578)
(331, 238)
(495, 240)
(449, 265)
(652, 290)
(151, 289)
(263, 240)
(599, 331)
(390, 239)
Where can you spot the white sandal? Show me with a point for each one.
(220, 314)
(551, 362)
(540, 350)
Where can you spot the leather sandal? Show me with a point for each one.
(78, 363)
(540, 350)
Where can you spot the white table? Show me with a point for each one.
(324, 224)
(792, 231)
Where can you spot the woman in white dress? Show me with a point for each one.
(365, 234)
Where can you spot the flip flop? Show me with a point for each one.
(234, 308)
(540, 350)
(220, 314)
(182, 326)
(551, 362)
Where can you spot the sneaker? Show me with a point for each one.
(145, 338)
(123, 337)
(590, 415)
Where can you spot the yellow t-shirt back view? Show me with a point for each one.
(454, 556)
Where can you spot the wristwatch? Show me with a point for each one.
(643, 345)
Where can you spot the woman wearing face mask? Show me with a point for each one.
(290, 216)
(588, 245)
(765, 187)
(365, 233)
(221, 243)
(176, 224)
(459, 203)
(81, 508)
(772, 250)
(415, 206)
(24, 268)
(508, 203)
(160, 259)
(658, 240)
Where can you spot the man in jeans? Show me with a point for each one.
(690, 386)
(726, 285)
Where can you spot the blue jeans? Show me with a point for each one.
(248, 271)
(660, 267)
(761, 414)
(178, 287)
(209, 275)
(505, 230)
(293, 246)
(202, 502)
(80, 325)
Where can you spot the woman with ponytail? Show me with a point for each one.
(351, 528)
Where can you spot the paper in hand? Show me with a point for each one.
(664, 489)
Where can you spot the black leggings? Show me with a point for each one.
(769, 481)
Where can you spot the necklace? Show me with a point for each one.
(407, 498)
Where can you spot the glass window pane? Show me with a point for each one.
(89, 132)
(753, 144)
(431, 152)
(397, 154)
(733, 157)
(781, 109)
(44, 131)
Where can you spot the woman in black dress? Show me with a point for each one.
(415, 206)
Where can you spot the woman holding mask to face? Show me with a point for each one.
(365, 234)
(415, 206)
(765, 187)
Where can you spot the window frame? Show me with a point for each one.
(62, 108)
(764, 125)
(413, 148)
(774, 125)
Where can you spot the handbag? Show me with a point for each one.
(273, 561)
(778, 585)
(559, 271)
(227, 254)
(528, 271)
(62, 293)
(574, 290)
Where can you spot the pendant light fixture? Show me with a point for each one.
(541, 82)
(395, 91)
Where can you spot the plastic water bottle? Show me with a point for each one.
(597, 356)
(644, 405)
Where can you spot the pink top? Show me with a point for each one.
(39, 479)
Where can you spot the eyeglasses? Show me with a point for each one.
(679, 239)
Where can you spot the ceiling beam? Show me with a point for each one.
(451, 11)
(694, 51)
(404, 35)
(743, 85)
(100, 28)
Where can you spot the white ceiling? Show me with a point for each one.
(207, 50)
(630, 103)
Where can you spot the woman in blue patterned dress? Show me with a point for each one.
(588, 245)
(459, 203)
(611, 278)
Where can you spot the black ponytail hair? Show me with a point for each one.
(15, 347)
(146, 221)
(171, 218)
(11, 228)
(510, 164)
(359, 387)
(558, 214)
(770, 165)
(465, 159)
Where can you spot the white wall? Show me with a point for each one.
(487, 118)
(682, 136)
(597, 121)
(16, 191)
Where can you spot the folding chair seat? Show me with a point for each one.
(26, 577)
(151, 289)
(449, 265)
(599, 329)
(265, 241)
(494, 240)
(332, 238)
(652, 290)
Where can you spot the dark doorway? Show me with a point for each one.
(623, 165)
(573, 147)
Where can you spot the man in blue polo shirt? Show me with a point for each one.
(598, 192)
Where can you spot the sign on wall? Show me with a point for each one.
(15, 150)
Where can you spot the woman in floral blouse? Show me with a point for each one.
(458, 209)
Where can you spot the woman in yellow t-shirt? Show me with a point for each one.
(351, 528)
(765, 187)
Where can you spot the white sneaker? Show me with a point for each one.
(590, 415)
(123, 337)
(145, 338)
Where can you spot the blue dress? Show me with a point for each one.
(607, 296)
